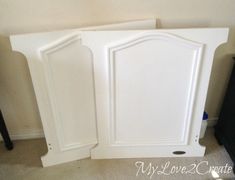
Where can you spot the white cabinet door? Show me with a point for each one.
(62, 74)
(150, 89)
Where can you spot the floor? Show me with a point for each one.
(24, 163)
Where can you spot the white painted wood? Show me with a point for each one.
(68, 72)
(62, 75)
(151, 89)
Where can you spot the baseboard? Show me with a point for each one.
(35, 134)
(26, 135)
(212, 121)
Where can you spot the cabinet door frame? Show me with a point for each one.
(103, 44)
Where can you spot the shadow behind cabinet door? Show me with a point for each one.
(225, 128)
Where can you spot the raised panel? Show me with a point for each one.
(68, 70)
(151, 89)
(152, 78)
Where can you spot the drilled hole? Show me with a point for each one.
(179, 152)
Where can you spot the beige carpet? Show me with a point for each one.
(24, 163)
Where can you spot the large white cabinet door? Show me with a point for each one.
(62, 74)
(151, 89)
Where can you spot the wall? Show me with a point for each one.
(17, 97)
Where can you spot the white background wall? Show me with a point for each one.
(17, 99)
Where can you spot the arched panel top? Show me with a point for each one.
(153, 36)
(59, 44)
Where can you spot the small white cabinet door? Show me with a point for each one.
(151, 89)
(62, 74)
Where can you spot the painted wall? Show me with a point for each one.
(17, 99)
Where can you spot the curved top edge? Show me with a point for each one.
(61, 42)
(151, 36)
